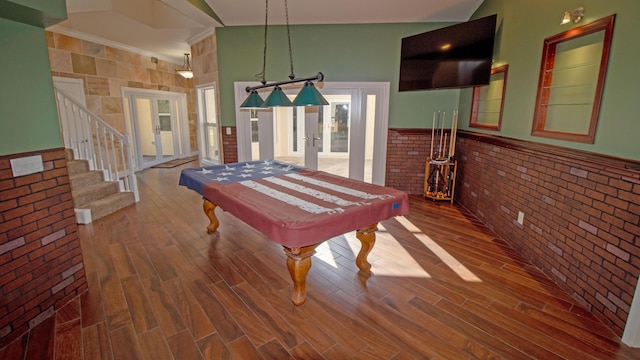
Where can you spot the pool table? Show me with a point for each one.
(296, 207)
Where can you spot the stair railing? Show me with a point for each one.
(92, 139)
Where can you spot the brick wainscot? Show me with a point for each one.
(581, 210)
(41, 267)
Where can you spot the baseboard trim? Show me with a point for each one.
(83, 216)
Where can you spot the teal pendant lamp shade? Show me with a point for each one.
(253, 101)
(277, 98)
(309, 96)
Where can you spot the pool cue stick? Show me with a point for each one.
(445, 141)
(454, 134)
(444, 116)
(433, 126)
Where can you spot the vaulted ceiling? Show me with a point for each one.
(164, 28)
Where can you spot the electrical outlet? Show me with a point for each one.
(520, 217)
(228, 129)
(26, 165)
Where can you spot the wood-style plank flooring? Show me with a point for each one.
(443, 287)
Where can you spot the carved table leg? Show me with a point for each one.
(299, 263)
(209, 210)
(367, 237)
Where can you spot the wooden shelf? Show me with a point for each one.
(440, 180)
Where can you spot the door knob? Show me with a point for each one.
(313, 138)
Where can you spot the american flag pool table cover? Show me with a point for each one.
(296, 207)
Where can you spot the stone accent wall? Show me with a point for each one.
(105, 70)
(41, 267)
(205, 69)
(581, 215)
(205, 61)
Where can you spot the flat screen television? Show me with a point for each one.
(456, 56)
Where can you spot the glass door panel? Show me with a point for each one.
(154, 125)
(334, 121)
(255, 135)
(146, 131)
(210, 151)
(339, 127)
(164, 133)
(289, 135)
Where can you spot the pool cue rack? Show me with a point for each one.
(441, 166)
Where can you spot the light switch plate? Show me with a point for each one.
(26, 165)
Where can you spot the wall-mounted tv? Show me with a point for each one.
(452, 57)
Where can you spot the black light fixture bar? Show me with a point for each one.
(318, 77)
(308, 96)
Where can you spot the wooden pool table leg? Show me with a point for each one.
(299, 263)
(209, 210)
(367, 237)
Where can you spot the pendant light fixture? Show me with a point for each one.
(308, 96)
(186, 71)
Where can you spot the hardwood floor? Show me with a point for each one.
(443, 287)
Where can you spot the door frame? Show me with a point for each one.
(180, 122)
(357, 147)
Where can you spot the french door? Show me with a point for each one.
(155, 130)
(157, 121)
(333, 126)
(338, 138)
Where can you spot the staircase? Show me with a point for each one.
(93, 197)
(99, 162)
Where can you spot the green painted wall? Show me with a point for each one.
(41, 13)
(372, 53)
(342, 52)
(523, 26)
(28, 115)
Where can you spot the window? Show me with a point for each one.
(210, 137)
(254, 126)
(165, 122)
(572, 74)
(488, 101)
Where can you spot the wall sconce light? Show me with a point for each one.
(186, 71)
(575, 17)
(308, 96)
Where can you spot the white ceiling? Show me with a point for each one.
(165, 28)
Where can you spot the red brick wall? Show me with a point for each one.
(229, 145)
(581, 215)
(407, 153)
(41, 267)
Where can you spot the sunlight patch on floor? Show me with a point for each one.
(323, 253)
(388, 257)
(449, 260)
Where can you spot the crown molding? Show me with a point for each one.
(201, 36)
(98, 40)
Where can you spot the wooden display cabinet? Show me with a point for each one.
(440, 179)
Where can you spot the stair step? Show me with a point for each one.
(68, 154)
(93, 197)
(110, 204)
(86, 195)
(77, 166)
(87, 178)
